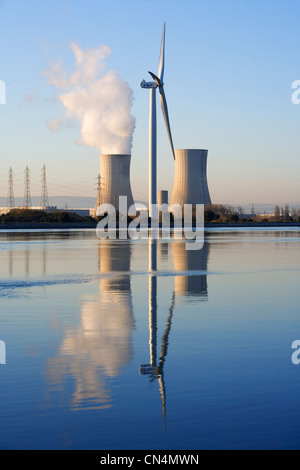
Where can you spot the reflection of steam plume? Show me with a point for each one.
(100, 102)
(101, 345)
(190, 260)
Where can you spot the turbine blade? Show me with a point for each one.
(164, 108)
(161, 65)
(156, 79)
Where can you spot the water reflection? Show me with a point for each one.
(195, 285)
(212, 397)
(163, 251)
(186, 260)
(155, 368)
(27, 252)
(11, 262)
(26, 263)
(27, 258)
(100, 346)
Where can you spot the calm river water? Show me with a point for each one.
(102, 353)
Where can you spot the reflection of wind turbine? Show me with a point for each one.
(158, 83)
(159, 371)
(154, 370)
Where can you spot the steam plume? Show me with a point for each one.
(100, 101)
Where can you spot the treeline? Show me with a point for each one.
(221, 213)
(25, 216)
(285, 214)
(217, 213)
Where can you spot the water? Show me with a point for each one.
(101, 353)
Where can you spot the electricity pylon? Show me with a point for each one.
(44, 193)
(99, 194)
(27, 197)
(10, 194)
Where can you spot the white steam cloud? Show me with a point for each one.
(100, 101)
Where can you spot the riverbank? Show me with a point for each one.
(72, 226)
(253, 224)
(28, 226)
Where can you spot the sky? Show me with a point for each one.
(228, 80)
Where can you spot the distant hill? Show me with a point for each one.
(72, 202)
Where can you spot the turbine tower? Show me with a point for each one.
(152, 86)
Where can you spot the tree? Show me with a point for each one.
(210, 215)
(277, 213)
(286, 213)
(295, 213)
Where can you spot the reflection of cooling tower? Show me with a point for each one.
(115, 174)
(190, 260)
(190, 183)
(115, 306)
(114, 258)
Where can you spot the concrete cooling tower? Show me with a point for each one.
(190, 182)
(115, 179)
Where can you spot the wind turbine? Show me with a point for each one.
(152, 86)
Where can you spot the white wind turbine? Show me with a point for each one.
(158, 83)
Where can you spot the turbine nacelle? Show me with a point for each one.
(148, 85)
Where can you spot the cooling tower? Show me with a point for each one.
(190, 183)
(115, 179)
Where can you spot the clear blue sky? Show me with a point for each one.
(229, 70)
